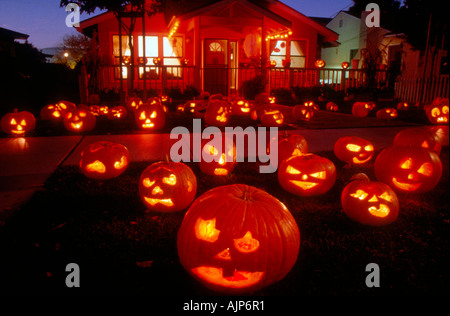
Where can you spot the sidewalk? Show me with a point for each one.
(28, 162)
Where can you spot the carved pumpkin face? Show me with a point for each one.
(79, 120)
(418, 136)
(230, 239)
(242, 107)
(104, 160)
(150, 116)
(331, 106)
(167, 186)
(387, 114)
(370, 203)
(273, 118)
(117, 113)
(403, 106)
(362, 109)
(133, 103)
(307, 175)
(18, 123)
(218, 160)
(437, 112)
(408, 169)
(56, 111)
(319, 63)
(353, 149)
(304, 112)
(217, 113)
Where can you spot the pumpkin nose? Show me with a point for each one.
(412, 176)
(304, 177)
(157, 190)
(373, 199)
(19, 127)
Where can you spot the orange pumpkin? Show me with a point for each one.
(437, 112)
(117, 113)
(18, 123)
(304, 112)
(273, 118)
(217, 113)
(167, 186)
(418, 136)
(104, 160)
(150, 116)
(369, 203)
(218, 160)
(387, 114)
(353, 149)
(79, 120)
(230, 238)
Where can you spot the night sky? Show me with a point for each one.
(44, 20)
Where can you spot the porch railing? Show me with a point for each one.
(228, 81)
(421, 90)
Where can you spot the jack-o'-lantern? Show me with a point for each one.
(229, 239)
(272, 99)
(241, 107)
(304, 112)
(319, 63)
(117, 113)
(133, 103)
(353, 149)
(104, 160)
(217, 113)
(273, 118)
(331, 106)
(258, 110)
(307, 175)
(362, 109)
(18, 123)
(387, 114)
(289, 145)
(150, 116)
(79, 120)
(218, 159)
(403, 106)
(56, 111)
(369, 203)
(167, 186)
(408, 169)
(437, 112)
(418, 136)
(345, 65)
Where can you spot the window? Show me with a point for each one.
(173, 52)
(151, 51)
(278, 52)
(126, 52)
(298, 54)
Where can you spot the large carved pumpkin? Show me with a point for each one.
(437, 112)
(369, 203)
(307, 175)
(408, 169)
(418, 136)
(353, 149)
(304, 112)
(150, 116)
(18, 123)
(237, 239)
(104, 160)
(167, 186)
(56, 111)
(217, 113)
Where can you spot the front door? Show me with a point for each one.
(216, 66)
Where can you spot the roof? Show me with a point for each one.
(12, 35)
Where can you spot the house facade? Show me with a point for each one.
(214, 46)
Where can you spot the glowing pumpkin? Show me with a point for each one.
(79, 120)
(369, 203)
(56, 111)
(387, 114)
(18, 123)
(307, 175)
(218, 160)
(319, 63)
(289, 145)
(403, 106)
(104, 160)
(418, 136)
(117, 113)
(273, 118)
(353, 149)
(133, 103)
(217, 113)
(408, 169)
(331, 106)
(362, 109)
(167, 186)
(437, 112)
(241, 107)
(231, 236)
(150, 116)
(303, 112)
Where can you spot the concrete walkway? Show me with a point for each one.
(27, 162)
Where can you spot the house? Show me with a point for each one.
(214, 46)
(7, 39)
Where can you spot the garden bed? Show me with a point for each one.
(123, 249)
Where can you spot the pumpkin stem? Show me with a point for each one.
(167, 158)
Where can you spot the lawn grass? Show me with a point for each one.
(123, 249)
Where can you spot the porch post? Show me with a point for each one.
(265, 69)
(197, 54)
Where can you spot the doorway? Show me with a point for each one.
(216, 66)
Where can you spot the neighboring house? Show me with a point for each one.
(214, 47)
(7, 39)
(397, 54)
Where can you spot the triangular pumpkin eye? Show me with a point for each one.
(406, 163)
(319, 175)
(425, 144)
(23, 123)
(292, 170)
(386, 196)
(153, 115)
(13, 122)
(142, 116)
(426, 169)
(359, 194)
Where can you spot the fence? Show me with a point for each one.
(422, 90)
(228, 81)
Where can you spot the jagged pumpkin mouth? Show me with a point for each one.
(76, 125)
(165, 202)
(239, 279)
(305, 185)
(382, 211)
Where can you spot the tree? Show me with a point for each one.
(72, 49)
(126, 13)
